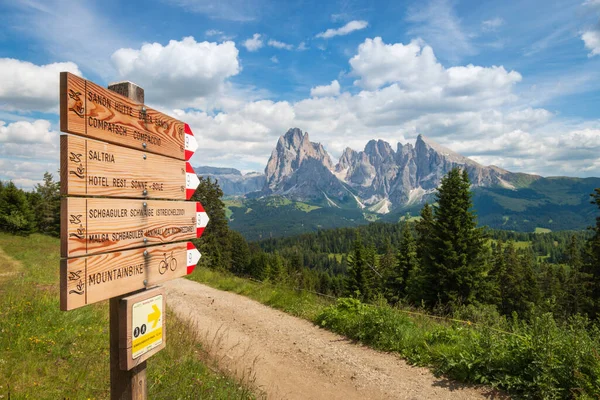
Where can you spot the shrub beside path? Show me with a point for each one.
(290, 358)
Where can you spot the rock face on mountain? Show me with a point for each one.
(302, 170)
(377, 178)
(231, 181)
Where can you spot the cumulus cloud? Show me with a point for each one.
(414, 68)
(405, 91)
(591, 39)
(274, 59)
(280, 45)
(332, 89)
(344, 30)
(302, 47)
(27, 150)
(254, 43)
(181, 70)
(23, 132)
(28, 87)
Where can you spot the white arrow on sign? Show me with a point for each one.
(193, 256)
(191, 181)
(190, 142)
(201, 219)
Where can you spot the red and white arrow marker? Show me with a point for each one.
(190, 142)
(193, 256)
(191, 181)
(201, 219)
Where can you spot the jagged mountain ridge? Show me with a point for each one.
(377, 178)
(231, 180)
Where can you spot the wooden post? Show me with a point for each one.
(124, 385)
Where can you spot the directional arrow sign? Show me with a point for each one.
(87, 280)
(93, 225)
(91, 168)
(154, 316)
(90, 110)
(142, 328)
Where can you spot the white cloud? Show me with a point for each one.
(23, 132)
(414, 68)
(405, 91)
(275, 59)
(592, 42)
(254, 43)
(492, 24)
(27, 150)
(327, 90)
(280, 45)
(344, 30)
(28, 87)
(181, 70)
(302, 47)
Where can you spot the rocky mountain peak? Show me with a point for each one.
(292, 150)
(377, 178)
(347, 158)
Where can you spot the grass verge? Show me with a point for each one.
(541, 359)
(46, 353)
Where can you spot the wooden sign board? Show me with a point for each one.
(87, 280)
(90, 110)
(142, 327)
(91, 168)
(93, 225)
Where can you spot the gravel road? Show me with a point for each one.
(289, 358)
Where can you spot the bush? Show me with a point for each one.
(540, 359)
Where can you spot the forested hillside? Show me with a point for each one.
(441, 264)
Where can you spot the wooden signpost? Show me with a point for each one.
(94, 225)
(125, 234)
(91, 168)
(87, 280)
(89, 110)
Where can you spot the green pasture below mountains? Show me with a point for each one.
(46, 353)
(543, 205)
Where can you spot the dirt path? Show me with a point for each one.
(290, 358)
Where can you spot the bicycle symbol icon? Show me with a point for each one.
(168, 263)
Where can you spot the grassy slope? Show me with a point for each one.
(539, 360)
(46, 353)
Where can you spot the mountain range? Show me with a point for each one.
(382, 183)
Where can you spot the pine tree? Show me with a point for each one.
(240, 253)
(454, 266)
(16, 215)
(47, 207)
(357, 282)
(592, 265)
(406, 262)
(214, 243)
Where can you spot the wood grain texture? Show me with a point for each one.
(91, 168)
(87, 280)
(127, 362)
(90, 110)
(93, 225)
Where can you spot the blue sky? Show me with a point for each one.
(514, 84)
